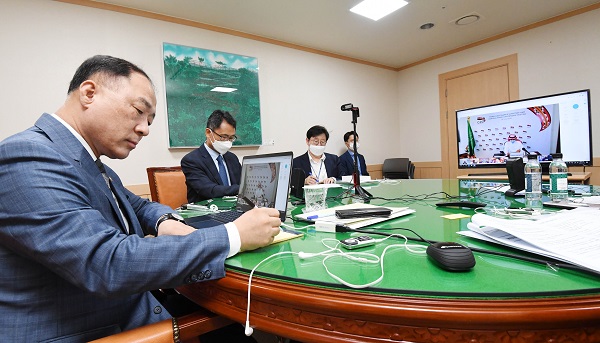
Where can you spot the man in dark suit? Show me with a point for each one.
(212, 171)
(319, 166)
(74, 263)
(347, 158)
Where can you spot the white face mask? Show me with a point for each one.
(317, 150)
(221, 146)
(351, 146)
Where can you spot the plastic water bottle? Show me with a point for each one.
(558, 179)
(533, 182)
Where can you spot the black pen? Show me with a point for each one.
(249, 202)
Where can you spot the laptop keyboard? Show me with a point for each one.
(226, 217)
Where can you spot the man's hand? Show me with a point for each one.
(173, 227)
(258, 227)
(329, 180)
(311, 180)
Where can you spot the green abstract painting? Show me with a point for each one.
(199, 81)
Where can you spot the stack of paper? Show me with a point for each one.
(328, 215)
(572, 236)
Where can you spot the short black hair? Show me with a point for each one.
(111, 67)
(348, 134)
(317, 130)
(216, 118)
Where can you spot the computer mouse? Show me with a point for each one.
(451, 256)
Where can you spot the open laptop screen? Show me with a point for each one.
(266, 180)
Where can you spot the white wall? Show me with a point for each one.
(559, 57)
(43, 42)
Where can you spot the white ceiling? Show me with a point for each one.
(393, 41)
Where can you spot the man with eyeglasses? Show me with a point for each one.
(212, 171)
(318, 166)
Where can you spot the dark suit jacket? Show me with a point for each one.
(202, 177)
(331, 164)
(68, 271)
(347, 164)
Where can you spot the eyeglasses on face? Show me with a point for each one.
(317, 142)
(223, 138)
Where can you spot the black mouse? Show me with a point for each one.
(451, 256)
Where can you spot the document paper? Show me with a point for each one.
(572, 236)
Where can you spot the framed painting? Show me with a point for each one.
(199, 81)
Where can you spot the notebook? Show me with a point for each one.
(265, 182)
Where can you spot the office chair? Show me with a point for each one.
(398, 168)
(167, 185)
(187, 328)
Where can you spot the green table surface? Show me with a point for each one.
(409, 273)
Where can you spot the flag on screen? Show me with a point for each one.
(471, 147)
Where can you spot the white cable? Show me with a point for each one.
(361, 257)
(297, 228)
(532, 214)
(248, 329)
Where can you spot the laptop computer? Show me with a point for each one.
(265, 182)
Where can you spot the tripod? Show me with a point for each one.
(358, 189)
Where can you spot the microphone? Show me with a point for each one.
(347, 107)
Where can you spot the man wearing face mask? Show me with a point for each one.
(319, 166)
(212, 171)
(347, 158)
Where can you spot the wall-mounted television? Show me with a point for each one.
(488, 135)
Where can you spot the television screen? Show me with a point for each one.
(488, 135)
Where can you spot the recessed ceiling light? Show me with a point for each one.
(377, 9)
(427, 26)
(223, 89)
(467, 19)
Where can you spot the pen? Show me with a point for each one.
(310, 174)
(316, 216)
(249, 202)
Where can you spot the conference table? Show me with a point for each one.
(501, 299)
(573, 177)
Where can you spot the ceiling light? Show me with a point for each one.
(467, 19)
(427, 26)
(377, 9)
(223, 89)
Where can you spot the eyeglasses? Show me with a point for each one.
(223, 138)
(317, 142)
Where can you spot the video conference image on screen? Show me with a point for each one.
(261, 183)
(489, 135)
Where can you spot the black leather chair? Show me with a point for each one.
(398, 168)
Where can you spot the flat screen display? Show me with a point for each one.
(488, 135)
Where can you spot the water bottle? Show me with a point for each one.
(533, 182)
(558, 179)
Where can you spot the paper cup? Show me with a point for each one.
(315, 197)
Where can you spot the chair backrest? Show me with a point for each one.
(167, 185)
(398, 168)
